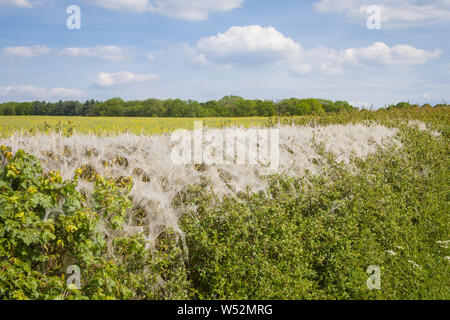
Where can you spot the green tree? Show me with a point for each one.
(111, 108)
(404, 105)
(265, 108)
(9, 109)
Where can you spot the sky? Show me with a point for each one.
(369, 52)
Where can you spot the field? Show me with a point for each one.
(156, 126)
(108, 125)
(354, 192)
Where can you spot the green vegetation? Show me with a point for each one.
(309, 237)
(230, 106)
(46, 226)
(392, 116)
(113, 125)
(314, 237)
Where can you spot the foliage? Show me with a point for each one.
(392, 117)
(307, 237)
(230, 106)
(314, 237)
(46, 225)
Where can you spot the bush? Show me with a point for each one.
(315, 237)
(38, 243)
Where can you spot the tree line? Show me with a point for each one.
(229, 106)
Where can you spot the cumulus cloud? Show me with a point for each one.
(27, 52)
(108, 53)
(105, 79)
(245, 45)
(16, 3)
(331, 61)
(32, 92)
(402, 54)
(182, 9)
(394, 13)
(256, 45)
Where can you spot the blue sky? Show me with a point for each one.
(205, 49)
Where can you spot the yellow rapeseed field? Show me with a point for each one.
(115, 125)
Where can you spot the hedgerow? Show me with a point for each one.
(315, 237)
(46, 225)
(309, 236)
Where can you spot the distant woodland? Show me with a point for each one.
(229, 106)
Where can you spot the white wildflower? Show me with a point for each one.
(444, 244)
(415, 265)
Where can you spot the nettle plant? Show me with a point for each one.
(38, 244)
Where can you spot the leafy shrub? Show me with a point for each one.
(39, 243)
(314, 237)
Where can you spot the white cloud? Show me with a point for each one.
(182, 9)
(394, 13)
(378, 54)
(256, 45)
(402, 54)
(245, 45)
(105, 79)
(123, 5)
(300, 69)
(28, 52)
(32, 92)
(108, 53)
(16, 3)
(426, 96)
(194, 9)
